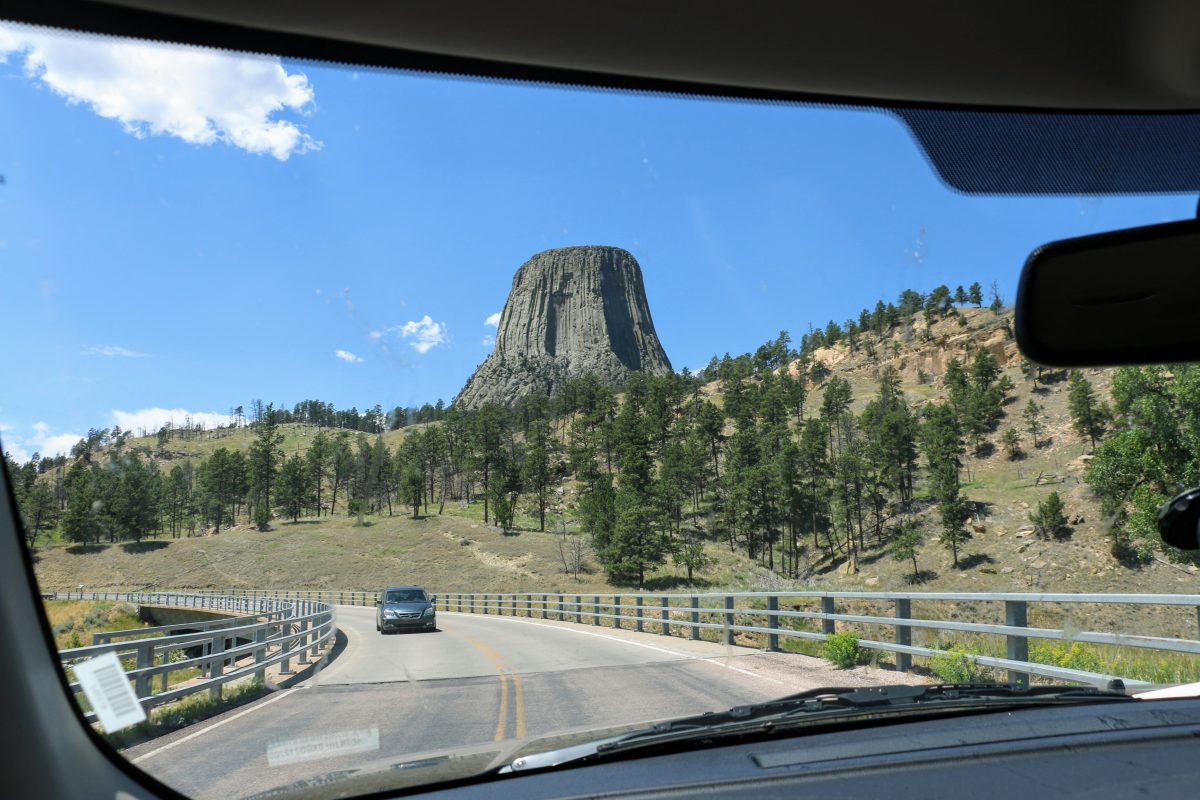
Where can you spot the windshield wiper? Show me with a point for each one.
(822, 706)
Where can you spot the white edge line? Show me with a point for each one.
(215, 725)
(688, 656)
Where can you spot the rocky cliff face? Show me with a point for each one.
(571, 311)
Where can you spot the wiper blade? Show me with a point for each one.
(822, 706)
(872, 697)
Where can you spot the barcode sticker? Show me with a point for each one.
(107, 689)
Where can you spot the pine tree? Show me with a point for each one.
(487, 433)
(905, 545)
(80, 522)
(295, 487)
(264, 459)
(341, 465)
(975, 294)
(316, 461)
(1088, 415)
(1012, 443)
(1033, 421)
(1049, 518)
(941, 440)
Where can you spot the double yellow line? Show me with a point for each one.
(518, 692)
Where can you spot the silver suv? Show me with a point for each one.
(405, 608)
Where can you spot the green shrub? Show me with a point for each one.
(1075, 655)
(843, 650)
(957, 665)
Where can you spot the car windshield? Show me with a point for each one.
(673, 403)
(405, 596)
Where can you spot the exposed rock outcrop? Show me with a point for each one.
(571, 311)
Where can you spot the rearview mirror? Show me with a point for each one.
(1124, 297)
(1179, 520)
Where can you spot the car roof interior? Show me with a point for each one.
(1141, 55)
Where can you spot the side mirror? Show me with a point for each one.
(1123, 297)
(378, 601)
(433, 598)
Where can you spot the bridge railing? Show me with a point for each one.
(257, 633)
(774, 616)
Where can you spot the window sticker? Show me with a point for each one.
(104, 684)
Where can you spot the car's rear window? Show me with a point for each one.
(405, 596)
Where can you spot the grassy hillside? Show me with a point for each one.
(296, 439)
(451, 552)
(455, 551)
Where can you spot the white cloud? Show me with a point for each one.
(493, 320)
(199, 96)
(488, 340)
(42, 441)
(110, 351)
(347, 356)
(426, 333)
(151, 419)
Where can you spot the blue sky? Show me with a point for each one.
(189, 231)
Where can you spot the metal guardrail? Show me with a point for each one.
(732, 613)
(268, 630)
(766, 614)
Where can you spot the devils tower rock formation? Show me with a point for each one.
(571, 311)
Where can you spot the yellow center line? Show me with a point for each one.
(502, 723)
(519, 707)
(497, 661)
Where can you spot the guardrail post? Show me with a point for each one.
(145, 659)
(666, 616)
(596, 609)
(216, 666)
(904, 634)
(1016, 616)
(578, 610)
(561, 610)
(545, 609)
(729, 619)
(637, 609)
(773, 624)
(260, 654)
(285, 666)
(616, 611)
(305, 628)
(695, 617)
(827, 607)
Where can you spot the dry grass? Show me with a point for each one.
(451, 552)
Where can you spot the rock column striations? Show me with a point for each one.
(571, 311)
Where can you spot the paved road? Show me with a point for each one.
(477, 680)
